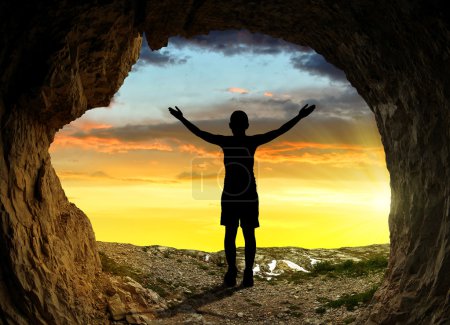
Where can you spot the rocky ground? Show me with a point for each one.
(162, 285)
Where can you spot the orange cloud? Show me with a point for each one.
(72, 175)
(238, 90)
(336, 155)
(268, 94)
(69, 137)
(190, 148)
(86, 125)
(106, 145)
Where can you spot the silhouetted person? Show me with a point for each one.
(239, 196)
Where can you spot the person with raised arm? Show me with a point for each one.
(239, 201)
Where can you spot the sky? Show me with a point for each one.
(142, 178)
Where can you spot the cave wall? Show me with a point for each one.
(58, 59)
(62, 62)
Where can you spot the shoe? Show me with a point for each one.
(248, 278)
(230, 277)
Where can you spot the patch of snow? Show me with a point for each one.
(207, 256)
(313, 261)
(294, 266)
(272, 265)
(256, 269)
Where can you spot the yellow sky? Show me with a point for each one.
(333, 196)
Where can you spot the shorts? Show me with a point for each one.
(243, 210)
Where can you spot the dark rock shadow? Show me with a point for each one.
(192, 303)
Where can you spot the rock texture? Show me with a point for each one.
(60, 58)
(54, 65)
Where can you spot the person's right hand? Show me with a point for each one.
(306, 110)
(177, 113)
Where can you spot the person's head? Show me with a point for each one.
(238, 122)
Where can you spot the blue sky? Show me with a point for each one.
(197, 77)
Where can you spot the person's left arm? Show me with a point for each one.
(271, 135)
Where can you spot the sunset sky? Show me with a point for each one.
(142, 178)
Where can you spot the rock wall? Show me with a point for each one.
(58, 64)
(58, 59)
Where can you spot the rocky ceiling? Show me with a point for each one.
(60, 58)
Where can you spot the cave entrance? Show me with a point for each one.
(323, 184)
(71, 57)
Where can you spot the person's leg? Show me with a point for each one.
(250, 252)
(250, 246)
(230, 245)
(230, 254)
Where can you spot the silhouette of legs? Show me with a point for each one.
(230, 254)
(230, 245)
(250, 251)
(250, 246)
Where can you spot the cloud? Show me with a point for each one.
(86, 125)
(234, 42)
(159, 58)
(195, 175)
(199, 151)
(238, 90)
(317, 141)
(71, 175)
(240, 42)
(335, 155)
(105, 144)
(340, 113)
(257, 108)
(316, 65)
(100, 174)
(130, 133)
(319, 128)
(343, 103)
(337, 102)
(268, 94)
(341, 156)
(341, 117)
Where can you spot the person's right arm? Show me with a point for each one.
(269, 136)
(208, 137)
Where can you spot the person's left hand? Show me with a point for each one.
(306, 110)
(177, 113)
